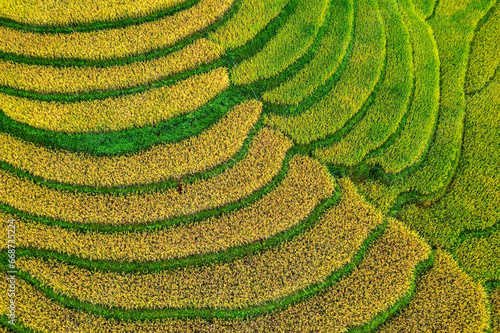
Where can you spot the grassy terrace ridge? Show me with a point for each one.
(442, 157)
(392, 94)
(84, 15)
(387, 253)
(328, 58)
(445, 222)
(128, 141)
(162, 223)
(369, 48)
(122, 112)
(115, 43)
(411, 141)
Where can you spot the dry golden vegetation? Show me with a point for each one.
(70, 80)
(67, 13)
(446, 300)
(331, 243)
(252, 16)
(115, 43)
(310, 258)
(495, 310)
(234, 184)
(285, 207)
(210, 148)
(118, 113)
(382, 278)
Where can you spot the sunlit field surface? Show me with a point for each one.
(250, 166)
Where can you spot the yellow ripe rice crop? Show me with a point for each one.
(251, 17)
(67, 13)
(495, 310)
(326, 247)
(446, 300)
(210, 148)
(236, 183)
(118, 113)
(115, 43)
(381, 279)
(279, 210)
(70, 80)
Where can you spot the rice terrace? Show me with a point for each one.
(250, 166)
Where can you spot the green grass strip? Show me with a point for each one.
(247, 22)
(96, 25)
(393, 94)
(194, 313)
(485, 49)
(453, 38)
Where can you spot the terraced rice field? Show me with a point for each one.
(250, 166)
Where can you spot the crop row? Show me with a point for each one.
(252, 16)
(210, 148)
(425, 8)
(484, 53)
(306, 260)
(480, 256)
(472, 200)
(283, 208)
(353, 88)
(381, 279)
(289, 43)
(70, 80)
(453, 29)
(115, 43)
(413, 139)
(331, 52)
(62, 13)
(118, 113)
(446, 300)
(393, 94)
(247, 176)
(495, 309)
